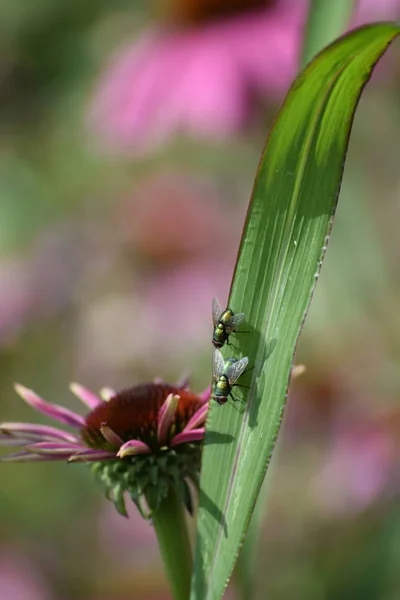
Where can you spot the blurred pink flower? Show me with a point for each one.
(170, 218)
(358, 468)
(196, 80)
(124, 329)
(187, 294)
(367, 11)
(16, 297)
(19, 579)
(202, 80)
(187, 239)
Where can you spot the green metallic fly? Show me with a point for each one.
(225, 322)
(225, 375)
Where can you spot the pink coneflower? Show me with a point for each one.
(198, 80)
(204, 73)
(143, 440)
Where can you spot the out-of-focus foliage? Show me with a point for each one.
(110, 256)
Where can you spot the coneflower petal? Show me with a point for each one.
(205, 396)
(199, 418)
(55, 448)
(54, 411)
(133, 447)
(166, 416)
(91, 455)
(86, 396)
(194, 435)
(111, 436)
(28, 457)
(12, 441)
(37, 431)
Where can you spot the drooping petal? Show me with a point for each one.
(111, 436)
(56, 448)
(166, 416)
(28, 457)
(86, 396)
(194, 435)
(59, 413)
(133, 447)
(205, 396)
(9, 440)
(106, 393)
(199, 418)
(34, 430)
(91, 455)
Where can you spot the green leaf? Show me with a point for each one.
(326, 21)
(247, 563)
(284, 241)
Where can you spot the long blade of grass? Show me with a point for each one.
(326, 21)
(283, 244)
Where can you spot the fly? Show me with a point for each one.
(225, 322)
(225, 375)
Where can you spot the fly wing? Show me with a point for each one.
(216, 311)
(235, 371)
(234, 322)
(218, 364)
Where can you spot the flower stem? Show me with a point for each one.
(170, 523)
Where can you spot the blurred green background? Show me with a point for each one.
(131, 134)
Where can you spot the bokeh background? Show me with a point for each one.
(130, 137)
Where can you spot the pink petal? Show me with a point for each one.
(51, 410)
(13, 441)
(166, 416)
(91, 455)
(37, 431)
(111, 436)
(199, 418)
(133, 447)
(205, 395)
(55, 448)
(85, 395)
(28, 457)
(194, 435)
(197, 80)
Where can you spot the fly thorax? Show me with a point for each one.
(226, 316)
(222, 383)
(229, 362)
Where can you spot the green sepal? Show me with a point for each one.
(119, 501)
(150, 476)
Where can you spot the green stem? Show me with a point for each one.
(173, 537)
(326, 20)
